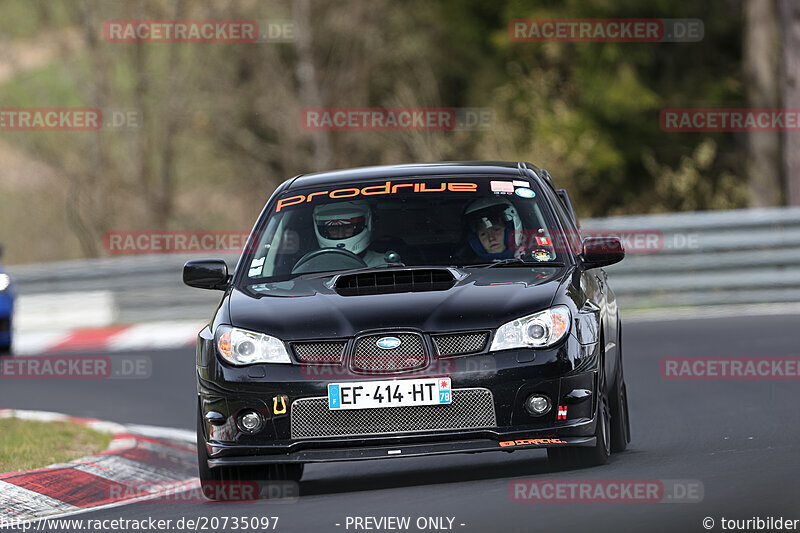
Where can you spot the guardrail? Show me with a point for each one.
(100, 292)
(704, 258)
(710, 258)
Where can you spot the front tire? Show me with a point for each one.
(220, 483)
(580, 457)
(620, 422)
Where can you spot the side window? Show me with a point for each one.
(259, 267)
(573, 236)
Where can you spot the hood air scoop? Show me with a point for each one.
(394, 281)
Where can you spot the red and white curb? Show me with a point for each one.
(143, 336)
(141, 462)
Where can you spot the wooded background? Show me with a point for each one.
(221, 123)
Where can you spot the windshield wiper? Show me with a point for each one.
(514, 262)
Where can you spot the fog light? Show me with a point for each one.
(250, 421)
(538, 404)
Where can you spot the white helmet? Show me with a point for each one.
(345, 225)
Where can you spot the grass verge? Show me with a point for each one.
(27, 444)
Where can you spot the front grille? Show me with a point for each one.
(394, 281)
(369, 358)
(470, 409)
(319, 351)
(460, 343)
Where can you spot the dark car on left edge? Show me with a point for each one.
(7, 295)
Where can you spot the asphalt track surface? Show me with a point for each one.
(740, 439)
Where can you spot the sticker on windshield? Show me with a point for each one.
(388, 187)
(256, 265)
(541, 255)
(525, 192)
(502, 186)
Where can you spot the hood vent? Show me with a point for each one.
(395, 281)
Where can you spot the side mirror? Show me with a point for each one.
(206, 274)
(602, 251)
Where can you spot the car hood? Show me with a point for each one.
(311, 308)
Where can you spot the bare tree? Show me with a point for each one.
(790, 32)
(307, 80)
(761, 68)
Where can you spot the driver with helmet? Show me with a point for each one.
(347, 226)
(493, 226)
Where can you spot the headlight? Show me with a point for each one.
(242, 347)
(5, 281)
(533, 331)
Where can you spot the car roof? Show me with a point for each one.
(418, 169)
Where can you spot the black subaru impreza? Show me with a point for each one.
(400, 311)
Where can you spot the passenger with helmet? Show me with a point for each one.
(492, 226)
(348, 226)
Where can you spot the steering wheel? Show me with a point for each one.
(344, 260)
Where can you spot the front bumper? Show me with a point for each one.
(511, 376)
(350, 453)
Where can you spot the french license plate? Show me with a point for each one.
(390, 393)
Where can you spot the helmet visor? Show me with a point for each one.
(341, 228)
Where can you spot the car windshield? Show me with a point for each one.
(432, 221)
